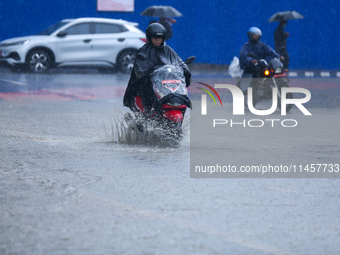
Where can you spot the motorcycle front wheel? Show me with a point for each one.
(245, 94)
(281, 84)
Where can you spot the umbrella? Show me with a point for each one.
(287, 15)
(161, 11)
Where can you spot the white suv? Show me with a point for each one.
(98, 42)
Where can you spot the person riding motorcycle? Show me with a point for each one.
(254, 50)
(157, 55)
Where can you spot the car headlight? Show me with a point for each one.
(15, 43)
(278, 70)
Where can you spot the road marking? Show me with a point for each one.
(14, 82)
(309, 74)
(325, 74)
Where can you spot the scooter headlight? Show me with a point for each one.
(278, 70)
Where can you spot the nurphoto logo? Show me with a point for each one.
(239, 104)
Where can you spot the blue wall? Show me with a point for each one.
(213, 31)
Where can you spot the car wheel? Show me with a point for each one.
(39, 61)
(126, 61)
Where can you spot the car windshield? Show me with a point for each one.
(53, 28)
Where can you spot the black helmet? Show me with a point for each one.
(155, 30)
(254, 31)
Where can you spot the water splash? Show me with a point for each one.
(118, 130)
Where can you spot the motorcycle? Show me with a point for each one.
(165, 118)
(271, 75)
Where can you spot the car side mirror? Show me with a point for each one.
(141, 56)
(189, 60)
(62, 33)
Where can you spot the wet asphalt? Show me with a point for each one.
(70, 184)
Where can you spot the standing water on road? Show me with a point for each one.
(69, 186)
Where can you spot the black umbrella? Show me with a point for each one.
(287, 15)
(161, 11)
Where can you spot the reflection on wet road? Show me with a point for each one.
(79, 84)
(61, 86)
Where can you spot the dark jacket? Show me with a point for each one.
(280, 38)
(260, 51)
(139, 83)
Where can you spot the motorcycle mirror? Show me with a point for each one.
(189, 60)
(251, 54)
(141, 56)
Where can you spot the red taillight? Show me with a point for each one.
(144, 40)
(174, 115)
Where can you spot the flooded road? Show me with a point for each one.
(68, 187)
